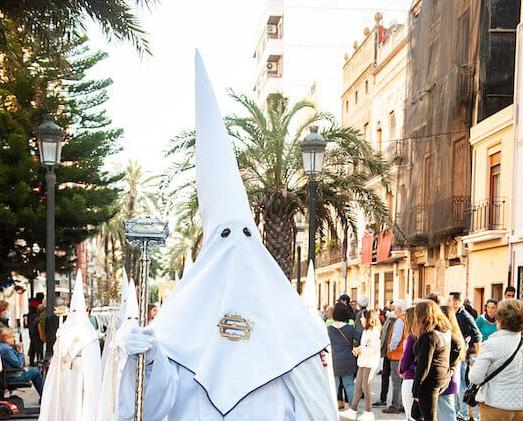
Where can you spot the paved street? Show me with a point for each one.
(378, 411)
(31, 399)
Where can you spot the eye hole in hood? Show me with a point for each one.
(225, 233)
(247, 232)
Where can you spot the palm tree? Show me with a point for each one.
(268, 153)
(53, 22)
(137, 199)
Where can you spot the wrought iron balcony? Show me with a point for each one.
(488, 215)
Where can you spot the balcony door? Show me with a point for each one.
(495, 203)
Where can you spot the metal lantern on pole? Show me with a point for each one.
(144, 232)
(50, 137)
(313, 151)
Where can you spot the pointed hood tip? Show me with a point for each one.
(131, 310)
(221, 193)
(78, 298)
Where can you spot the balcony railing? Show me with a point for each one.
(489, 214)
(435, 220)
(329, 256)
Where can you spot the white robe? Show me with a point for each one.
(116, 360)
(72, 385)
(172, 392)
(113, 370)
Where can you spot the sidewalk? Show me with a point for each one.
(376, 384)
(30, 397)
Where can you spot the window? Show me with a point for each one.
(402, 283)
(379, 138)
(376, 290)
(356, 97)
(390, 203)
(479, 299)
(346, 105)
(354, 293)
(366, 86)
(495, 206)
(392, 126)
(459, 170)
(497, 291)
(366, 131)
(389, 287)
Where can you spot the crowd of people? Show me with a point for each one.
(430, 354)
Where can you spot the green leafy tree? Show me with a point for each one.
(31, 85)
(51, 23)
(268, 153)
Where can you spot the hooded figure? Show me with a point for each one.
(116, 360)
(251, 350)
(72, 385)
(116, 320)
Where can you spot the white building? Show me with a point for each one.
(516, 238)
(301, 47)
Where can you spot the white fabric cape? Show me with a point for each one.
(116, 319)
(116, 360)
(233, 274)
(73, 381)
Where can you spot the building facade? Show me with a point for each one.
(300, 50)
(516, 216)
(373, 102)
(492, 142)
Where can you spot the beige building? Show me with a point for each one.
(373, 98)
(492, 142)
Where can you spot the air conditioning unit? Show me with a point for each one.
(272, 66)
(272, 29)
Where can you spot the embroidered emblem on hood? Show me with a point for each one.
(235, 327)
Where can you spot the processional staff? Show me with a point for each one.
(144, 232)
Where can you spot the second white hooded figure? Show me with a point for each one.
(234, 342)
(72, 385)
(117, 358)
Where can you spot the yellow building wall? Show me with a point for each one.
(494, 134)
(486, 268)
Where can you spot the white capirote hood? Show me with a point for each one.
(235, 322)
(77, 330)
(123, 302)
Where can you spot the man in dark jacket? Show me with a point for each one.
(35, 345)
(473, 338)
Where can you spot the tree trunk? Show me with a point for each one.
(278, 240)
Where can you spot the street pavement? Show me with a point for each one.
(30, 398)
(378, 413)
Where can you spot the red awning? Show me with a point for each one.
(385, 239)
(366, 248)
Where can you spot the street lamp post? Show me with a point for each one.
(313, 150)
(300, 228)
(50, 137)
(144, 232)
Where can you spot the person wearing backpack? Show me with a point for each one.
(501, 397)
(344, 337)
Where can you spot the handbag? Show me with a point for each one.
(469, 397)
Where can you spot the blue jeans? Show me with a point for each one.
(348, 384)
(31, 374)
(446, 409)
(461, 407)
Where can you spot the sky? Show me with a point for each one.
(152, 98)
